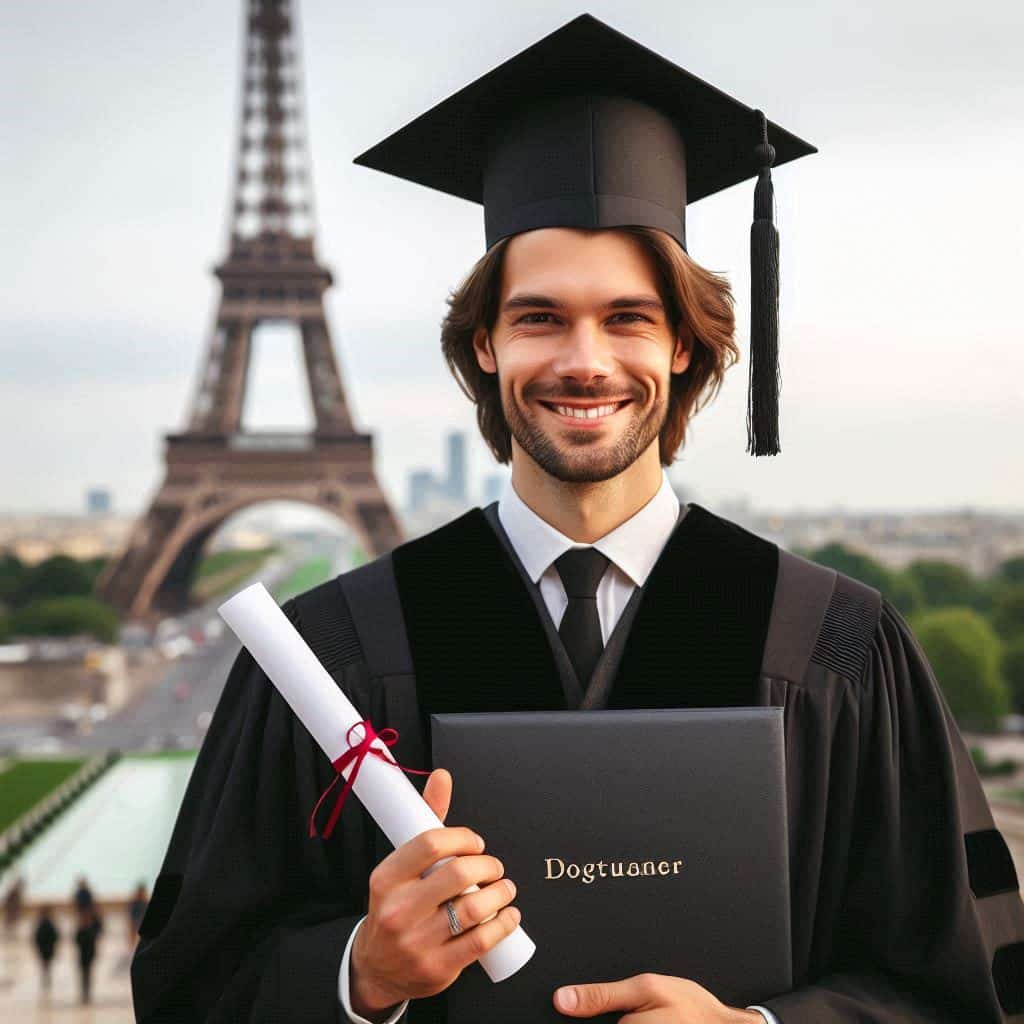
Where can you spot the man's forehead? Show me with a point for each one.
(591, 265)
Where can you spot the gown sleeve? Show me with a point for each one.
(932, 924)
(250, 916)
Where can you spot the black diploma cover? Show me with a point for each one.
(639, 841)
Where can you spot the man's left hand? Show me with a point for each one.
(651, 999)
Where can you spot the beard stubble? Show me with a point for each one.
(583, 458)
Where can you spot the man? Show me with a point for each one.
(587, 339)
(136, 911)
(45, 938)
(88, 927)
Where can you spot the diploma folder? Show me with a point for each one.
(639, 841)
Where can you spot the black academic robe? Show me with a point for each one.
(905, 904)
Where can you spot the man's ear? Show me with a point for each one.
(683, 351)
(484, 351)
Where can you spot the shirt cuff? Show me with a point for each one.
(343, 982)
(346, 1002)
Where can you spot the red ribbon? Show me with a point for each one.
(388, 736)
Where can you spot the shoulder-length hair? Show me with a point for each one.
(698, 304)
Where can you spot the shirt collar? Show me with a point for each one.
(634, 546)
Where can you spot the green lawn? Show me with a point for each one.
(224, 570)
(221, 560)
(307, 575)
(24, 783)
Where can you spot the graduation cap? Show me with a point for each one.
(588, 128)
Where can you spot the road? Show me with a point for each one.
(172, 713)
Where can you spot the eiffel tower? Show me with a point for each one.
(271, 273)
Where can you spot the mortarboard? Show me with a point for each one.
(588, 128)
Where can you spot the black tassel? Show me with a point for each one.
(763, 389)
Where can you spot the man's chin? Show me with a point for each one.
(588, 462)
(585, 455)
(594, 473)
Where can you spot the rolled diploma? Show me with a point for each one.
(386, 792)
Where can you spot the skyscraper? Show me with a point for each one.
(422, 484)
(98, 501)
(455, 485)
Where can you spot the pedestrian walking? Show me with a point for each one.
(14, 902)
(83, 894)
(136, 912)
(86, 938)
(45, 938)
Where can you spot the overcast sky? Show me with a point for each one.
(902, 239)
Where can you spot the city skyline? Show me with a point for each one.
(913, 113)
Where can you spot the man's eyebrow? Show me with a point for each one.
(545, 302)
(643, 301)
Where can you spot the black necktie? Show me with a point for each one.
(581, 570)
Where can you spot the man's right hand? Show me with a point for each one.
(404, 948)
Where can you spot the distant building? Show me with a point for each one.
(494, 487)
(98, 502)
(978, 541)
(35, 537)
(435, 499)
(456, 482)
(422, 485)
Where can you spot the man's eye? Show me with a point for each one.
(526, 318)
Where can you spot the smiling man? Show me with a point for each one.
(587, 339)
(583, 354)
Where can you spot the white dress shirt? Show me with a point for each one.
(343, 986)
(632, 549)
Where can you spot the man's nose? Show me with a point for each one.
(583, 353)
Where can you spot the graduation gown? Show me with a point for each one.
(905, 903)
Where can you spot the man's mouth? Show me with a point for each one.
(586, 413)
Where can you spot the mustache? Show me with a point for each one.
(552, 391)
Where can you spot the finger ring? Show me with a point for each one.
(454, 925)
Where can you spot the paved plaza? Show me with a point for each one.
(21, 998)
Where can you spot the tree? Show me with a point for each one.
(905, 593)
(56, 576)
(965, 653)
(1008, 610)
(943, 584)
(1013, 672)
(1012, 570)
(12, 577)
(95, 566)
(901, 589)
(66, 616)
(853, 563)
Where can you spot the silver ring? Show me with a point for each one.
(454, 925)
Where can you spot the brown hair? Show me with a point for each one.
(698, 304)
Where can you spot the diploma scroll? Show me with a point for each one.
(384, 790)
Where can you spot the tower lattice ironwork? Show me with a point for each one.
(271, 274)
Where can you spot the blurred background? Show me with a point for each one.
(219, 344)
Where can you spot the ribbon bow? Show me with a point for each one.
(356, 754)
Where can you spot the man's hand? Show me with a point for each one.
(404, 949)
(651, 999)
